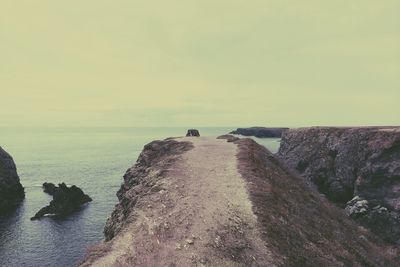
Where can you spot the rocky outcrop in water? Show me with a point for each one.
(11, 190)
(65, 200)
(193, 132)
(358, 168)
(260, 132)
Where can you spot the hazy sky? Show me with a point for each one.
(199, 63)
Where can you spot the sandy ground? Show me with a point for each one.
(201, 216)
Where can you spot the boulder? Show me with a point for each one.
(260, 132)
(65, 200)
(193, 132)
(11, 190)
(357, 207)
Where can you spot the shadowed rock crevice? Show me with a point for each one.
(351, 162)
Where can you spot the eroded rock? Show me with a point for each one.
(65, 200)
(193, 132)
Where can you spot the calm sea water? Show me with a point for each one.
(92, 158)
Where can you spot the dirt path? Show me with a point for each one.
(200, 216)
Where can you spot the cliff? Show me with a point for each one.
(143, 178)
(208, 202)
(358, 168)
(260, 132)
(11, 190)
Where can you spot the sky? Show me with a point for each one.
(127, 63)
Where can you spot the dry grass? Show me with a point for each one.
(297, 223)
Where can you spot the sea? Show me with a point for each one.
(94, 159)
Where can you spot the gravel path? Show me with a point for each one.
(200, 216)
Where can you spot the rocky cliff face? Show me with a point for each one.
(358, 168)
(260, 132)
(139, 180)
(11, 190)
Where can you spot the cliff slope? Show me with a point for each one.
(11, 190)
(358, 168)
(209, 202)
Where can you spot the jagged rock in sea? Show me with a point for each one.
(65, 200)
(354, 167)
(193, 132)
(209, 202)
(260, 132)
(11, 190)
(49, 188)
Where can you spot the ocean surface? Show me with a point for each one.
(94, 159)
